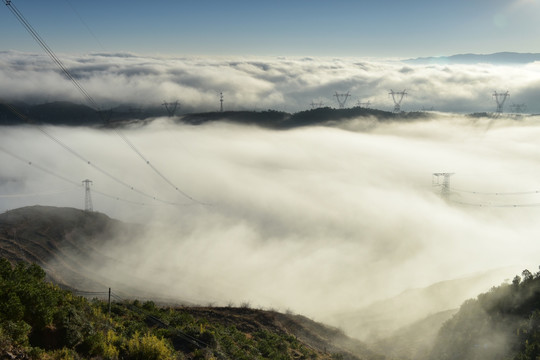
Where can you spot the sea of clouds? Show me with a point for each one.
(287, 84)
(319, 220)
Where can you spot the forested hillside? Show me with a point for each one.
(38, 320)
(503, 323)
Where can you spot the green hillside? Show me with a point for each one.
(503, 323)
(38, 320)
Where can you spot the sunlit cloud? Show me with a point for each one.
(289, 84)
(319, 220)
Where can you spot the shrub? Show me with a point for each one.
(146, 347)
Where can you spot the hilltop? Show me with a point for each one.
(69, 114)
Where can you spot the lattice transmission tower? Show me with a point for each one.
(87, 196)
(220, 102)
(500, 99)
(397, 96)
(444, 184)
(171, 107)
(365, 104)
(518, 108)
(342, 99)
(317, 105)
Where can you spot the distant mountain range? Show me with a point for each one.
(496, 58)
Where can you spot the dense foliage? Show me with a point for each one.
(503, 323)
(40, 321)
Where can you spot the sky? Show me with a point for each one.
(387, 28)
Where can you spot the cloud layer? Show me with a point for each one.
(289, 84)
(319, 220)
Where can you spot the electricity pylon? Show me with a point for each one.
(87, 196)
(500, 99)
(518, 108)
(315, 105)
(171, 107)
(445, 184)
(220, 102)
(342, 99)
(397, 96)
(365, 105)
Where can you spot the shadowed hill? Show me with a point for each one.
(50, 237)
(282, 120)
(55, 238)
(503, 323)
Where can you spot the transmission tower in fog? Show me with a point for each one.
(365, 104)
(500, 99)
(171, 107)
(442, 180)
(87, 196)
(397, 96)
(220, 102)
(315, 105)
(342, 99)
(518, 108)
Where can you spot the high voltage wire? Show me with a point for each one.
(495, 205)
(85, 24)
(494, 194)
(497, 193)
(48, 50)
(93, 104)
(33, 164)
(79, 156)
(154, 168)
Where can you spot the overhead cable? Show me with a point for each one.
(83, 91)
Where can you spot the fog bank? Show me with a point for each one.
(260, 83)
(317, 220)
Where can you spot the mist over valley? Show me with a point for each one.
(332, 213)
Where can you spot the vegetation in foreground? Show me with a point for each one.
(38, 320)
(503, 323)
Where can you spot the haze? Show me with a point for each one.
(318, 220)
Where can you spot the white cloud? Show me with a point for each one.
(289, 84)
(318, 220)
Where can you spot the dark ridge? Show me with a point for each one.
(53, 237)
(70, 114)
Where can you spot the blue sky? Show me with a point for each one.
(385, 28)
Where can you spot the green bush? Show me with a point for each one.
(146, 347)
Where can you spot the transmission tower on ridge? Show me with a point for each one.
(397, 96)
(87, 196)
(342, 99)
(518, 108)
(365, 105)
(315, 105)
(171, 107)
(444, 185)
(500, 99)
(221, 102)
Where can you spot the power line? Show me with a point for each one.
(48, 50)
(447, 191)
(86, 95)
(494, 205)
(497, 193)
(130, 144)
(75, 183)
(85, 24)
